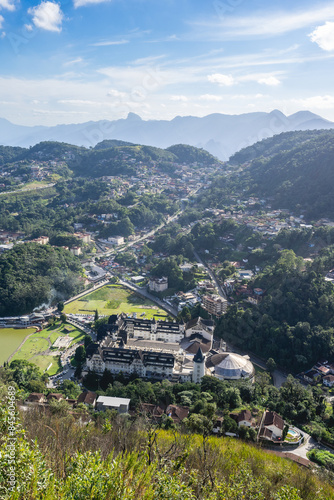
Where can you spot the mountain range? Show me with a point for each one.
(221, 135)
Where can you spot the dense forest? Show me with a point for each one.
(294, 323)
(32, 275)
(295, 170)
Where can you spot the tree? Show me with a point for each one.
(96, 315)
(60, 306)
(63, 318)
(271, 365)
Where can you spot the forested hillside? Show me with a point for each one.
(295, 170)
(32, 274)
(294, 324)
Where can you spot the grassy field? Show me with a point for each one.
(114, 299)
(10, 339)
(32, 350)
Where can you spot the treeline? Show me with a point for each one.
(32, 275)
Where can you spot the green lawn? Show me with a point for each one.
(114, 299)
(33, 348)
(43, 362)
(10, 339)
(34, 345)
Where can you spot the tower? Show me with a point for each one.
(199, 366)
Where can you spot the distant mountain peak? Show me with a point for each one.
(134, 117)
(222, 135)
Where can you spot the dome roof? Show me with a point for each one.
(230, 366)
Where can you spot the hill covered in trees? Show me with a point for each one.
(108, 158)
(295, 170)
(32, 274)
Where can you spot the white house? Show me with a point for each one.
(104, 403)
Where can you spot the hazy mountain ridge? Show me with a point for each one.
(221, 135)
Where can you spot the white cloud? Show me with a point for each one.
(324, 36)
(78, 102)
(28, 27)
(111, 42)
(273, 23)
(181, 98)
(7, 4)
(116, 93)
(210, 97)
(1, 21)
(316, 102)
(78, 60)
(272, 81)
(82, 3)
(47, 16)
(225, 80)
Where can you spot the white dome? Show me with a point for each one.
(231, 366)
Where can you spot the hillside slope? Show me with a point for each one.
(295, 170)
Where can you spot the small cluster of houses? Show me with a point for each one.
(269, 426)
(321, 372)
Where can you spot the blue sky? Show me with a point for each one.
(78, 60)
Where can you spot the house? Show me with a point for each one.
(328, 380)
(244, 418)
(177, 413)
(54, 397)
(35, 398)
(218, 426)
(87, 398)
(104, 403)
(272, 426)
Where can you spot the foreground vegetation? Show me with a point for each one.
(115, 458)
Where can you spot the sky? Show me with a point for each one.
(75, 61)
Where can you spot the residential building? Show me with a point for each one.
(272, 427)
(104, 403)
(158, 284)
(214, 304)
(116, 240)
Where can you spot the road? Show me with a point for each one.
(211, 274)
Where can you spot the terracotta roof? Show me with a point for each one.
(56, 396)
(244, 415)
(87, 397)
(177, 413)
(272, 418)
(266, 433)
(35, 397)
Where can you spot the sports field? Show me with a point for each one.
(114, 299)
(38, 348)
(10, 339)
